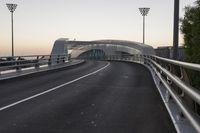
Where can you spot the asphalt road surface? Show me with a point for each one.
(95, 97)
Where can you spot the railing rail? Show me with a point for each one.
(191, 66)
(193, 93)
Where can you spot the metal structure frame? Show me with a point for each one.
(110, 47)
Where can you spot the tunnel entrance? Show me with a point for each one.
(122, 54)
(93, 54)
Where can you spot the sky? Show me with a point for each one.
(38, 23)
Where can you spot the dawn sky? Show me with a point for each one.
(38, 23)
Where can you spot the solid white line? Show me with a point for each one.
(52, 89)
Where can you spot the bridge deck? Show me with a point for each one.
(119, 99)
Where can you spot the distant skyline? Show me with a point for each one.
(38, 23)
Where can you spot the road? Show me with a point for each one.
(95, 97)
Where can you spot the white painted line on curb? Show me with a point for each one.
(52, 89)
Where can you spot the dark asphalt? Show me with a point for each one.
(119, 99)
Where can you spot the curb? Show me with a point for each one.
(43, 71)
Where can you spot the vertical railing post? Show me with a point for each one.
(18, 63)
(63, 58)
(37, 62)
(49, 61)
(58, 59)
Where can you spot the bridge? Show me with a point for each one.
(103, 86)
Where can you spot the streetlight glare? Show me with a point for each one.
(11, 7)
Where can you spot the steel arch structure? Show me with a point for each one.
(110, 47)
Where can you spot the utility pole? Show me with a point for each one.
(176, 30)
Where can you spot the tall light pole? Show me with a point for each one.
(12, 8)
(144, 12)
(176, 29)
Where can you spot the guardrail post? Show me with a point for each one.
(37, 62)
(145, 60)
(140, 56)
(49, 61)
(135, 58)
(58, 59)
(63, 58)
(18, 67)
(167, 96)
(194, 105)
(68, 57)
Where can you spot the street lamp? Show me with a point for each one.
(12, 8)
(144, 12)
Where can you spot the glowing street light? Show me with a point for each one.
(144, 12)
(12, 8)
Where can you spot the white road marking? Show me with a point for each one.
(52, 89)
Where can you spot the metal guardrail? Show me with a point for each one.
(164, 70)
(191, 66)
(19, 62)
(176, 84)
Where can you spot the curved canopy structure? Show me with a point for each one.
(109, 47)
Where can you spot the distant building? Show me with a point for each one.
(167, 52)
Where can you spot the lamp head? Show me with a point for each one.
(144, 11)
(11, 7)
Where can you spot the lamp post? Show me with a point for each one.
(144, 12)
(176, 29)
(12, 8)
